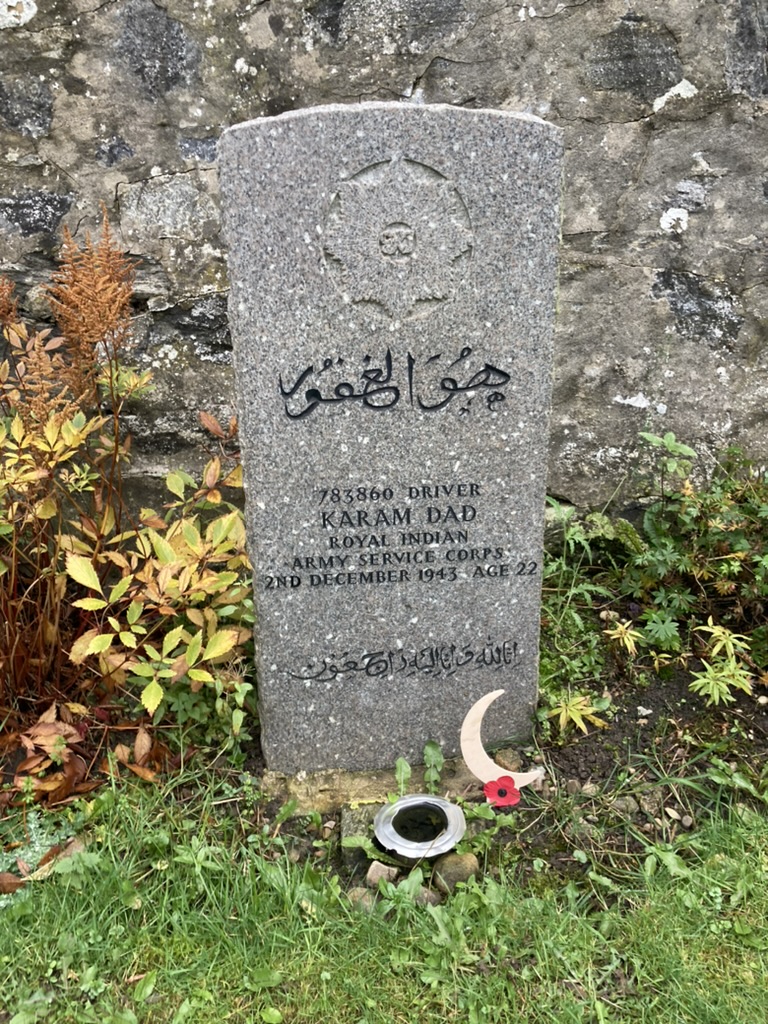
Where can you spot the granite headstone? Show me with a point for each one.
(393, 275)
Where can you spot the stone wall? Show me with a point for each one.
(663, 311)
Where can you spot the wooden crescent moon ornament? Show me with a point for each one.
(473, 751)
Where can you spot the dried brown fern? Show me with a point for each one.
(9, 309)
(34, 390)
(91, 302)
(60, 477)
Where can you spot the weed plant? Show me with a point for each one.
(60, 460)
(687, 590)
(573, 649)
(154, 606)
(697, 590)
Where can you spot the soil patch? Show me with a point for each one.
(657, 717)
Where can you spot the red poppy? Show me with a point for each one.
(502, 792)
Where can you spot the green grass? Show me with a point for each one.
(182, 909)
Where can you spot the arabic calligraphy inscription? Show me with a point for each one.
(442, 660)
(420, 383)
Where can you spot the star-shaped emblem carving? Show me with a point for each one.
(398, 236)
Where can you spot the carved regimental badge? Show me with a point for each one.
(398, 239)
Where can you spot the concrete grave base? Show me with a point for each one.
(328, 791)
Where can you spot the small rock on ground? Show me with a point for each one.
(509, 759)
(625, 805)
(378, 871)
(362, 898)
(452, 868)
(356, 821)
(651, 802)
(427, 896)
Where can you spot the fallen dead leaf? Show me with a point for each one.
(42, 730)
(51, 737)
(122, 753)
(50, 855)
(160, 756)
(179, 667)
(39, 786)
(144, 773)
(110, 768)
(153, 521)
(211, 424)
(142, 746)
(49, 715)
(79, 710)
(36, 761)
(9, 882)
(57, 799)
(73, 773)
(74, 846)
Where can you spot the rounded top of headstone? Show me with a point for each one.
(397, 108)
